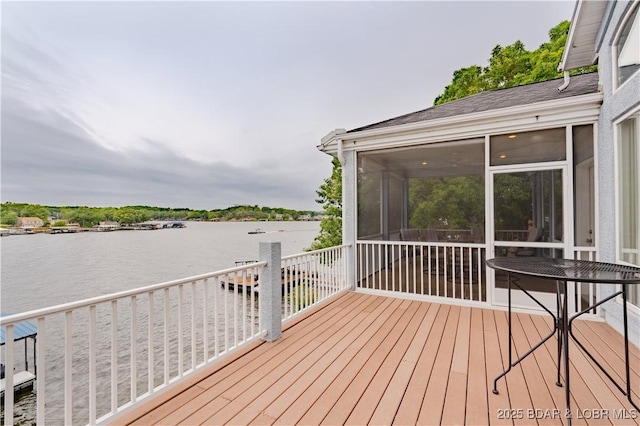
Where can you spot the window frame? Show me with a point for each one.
(635, 6)
(633, 114)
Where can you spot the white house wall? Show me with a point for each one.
(616, 105)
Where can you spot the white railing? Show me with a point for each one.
(97, 357)
(449, 270)
(100, 355)
(311, 278)
(586, 293)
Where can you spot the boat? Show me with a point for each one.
(169, 225)
(22, 380)
(256, 231)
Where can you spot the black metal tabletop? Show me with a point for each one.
(568, 269)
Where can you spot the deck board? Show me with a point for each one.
(432, 407)
(365, 359)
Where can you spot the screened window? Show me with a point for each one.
(584, 186)
(437, 188)
(528, 147)
(628, 47)
(629, 193)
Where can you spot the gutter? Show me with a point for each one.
(329, 139)
(490, 116)
(340, 152)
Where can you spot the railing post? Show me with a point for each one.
(271, 291)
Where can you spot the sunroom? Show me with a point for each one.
(428, 196)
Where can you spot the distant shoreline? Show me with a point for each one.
(147, 226)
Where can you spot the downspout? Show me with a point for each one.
(340, 152)
(566, 82)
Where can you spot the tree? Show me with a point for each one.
(466, 81)
(330, 196)
(8, 217)
(85, 216)
(446, 203)
(512, 65)
(130, 215)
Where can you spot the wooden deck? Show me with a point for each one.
(377, 360)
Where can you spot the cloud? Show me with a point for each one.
(55, 149)
(209, 104)
(50, 160)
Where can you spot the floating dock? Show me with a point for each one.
(22, 380)
(246, 284)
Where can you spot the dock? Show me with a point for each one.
(22, 380)
(246, 284)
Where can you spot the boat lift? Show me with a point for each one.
(24, 330)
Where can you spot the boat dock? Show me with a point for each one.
(245, 283)
(22, 380)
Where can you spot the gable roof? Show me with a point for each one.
(497, 99)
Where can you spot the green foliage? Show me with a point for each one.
(330, 196)
(9, 212)
(512, 65)
(85, 216)
(91, 216)
(8, 217)
(513, 200)
(244, 212)
(446, 203)
(130, 215)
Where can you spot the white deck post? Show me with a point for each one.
(271, 291)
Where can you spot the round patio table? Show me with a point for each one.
(563, 271)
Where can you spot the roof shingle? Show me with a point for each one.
(497, 99)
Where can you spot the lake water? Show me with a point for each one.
(44, 270)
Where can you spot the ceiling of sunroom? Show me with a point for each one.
(466, 157)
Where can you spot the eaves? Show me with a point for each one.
(576, 110)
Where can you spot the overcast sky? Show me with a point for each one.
(209, 104)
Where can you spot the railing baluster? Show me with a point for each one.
(216, 334)
(150, 345)
(454, 271)
(114, 356)
(479, 273)
(358, 265)
(92, 364)
(180, 330)
(205, 321)
(166, 337)
(235, 312)
(253, 301)
(41, 372)
(286, 289)
(438, 266)
(393, 267)
(244, 306)
(381, 267)
(133, 368)
(10, 364)
(446, 271)
(226, 316)
(68, 368)
(415, 270)
(193, 325)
